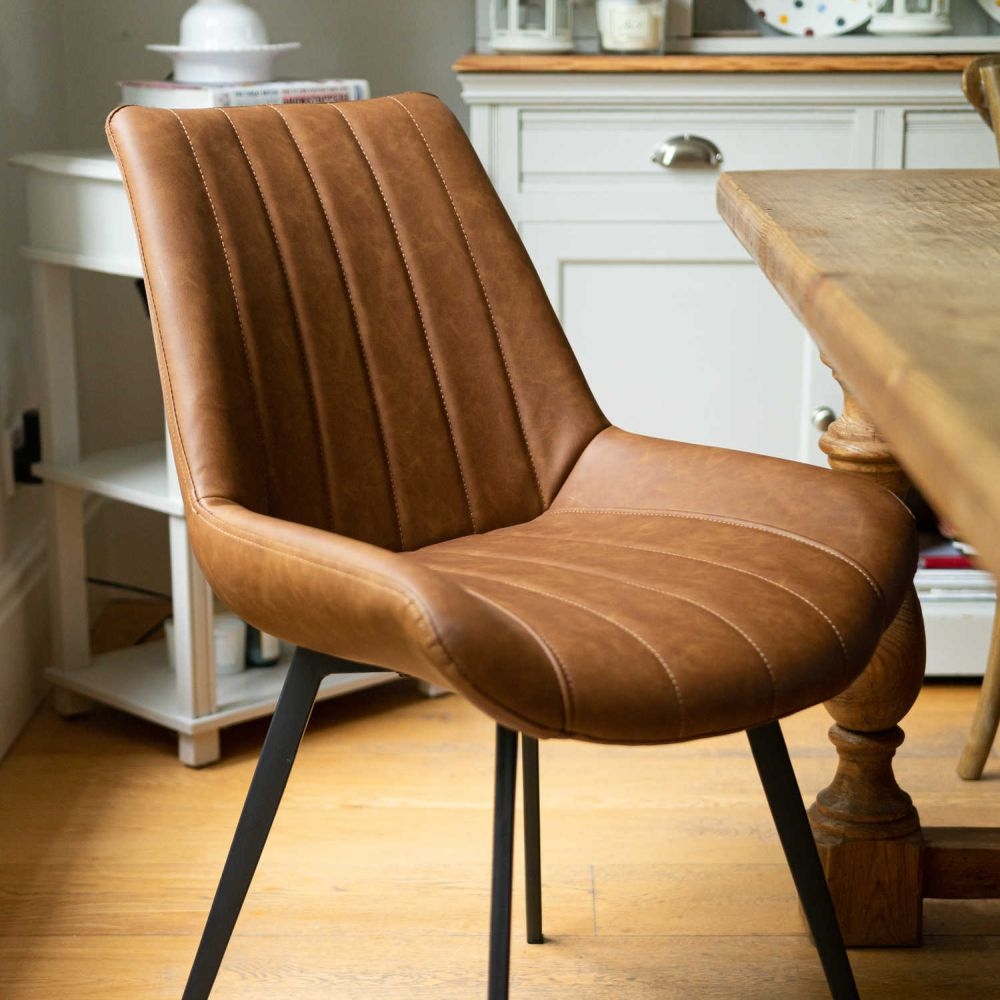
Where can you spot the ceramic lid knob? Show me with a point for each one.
(222, 24)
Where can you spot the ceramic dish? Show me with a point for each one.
(237, 65)
(813, 17)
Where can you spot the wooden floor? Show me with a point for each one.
(663, 877)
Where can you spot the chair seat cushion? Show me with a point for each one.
(674, 591)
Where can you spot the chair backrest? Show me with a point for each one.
(981, 84)
(350, 333)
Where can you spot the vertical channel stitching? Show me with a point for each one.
(307, 370)
(486, 302)
(357, 328)
(239, 314)
(420, 315)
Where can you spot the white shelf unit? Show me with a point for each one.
(137, 475)
(140, 680)
(958, 607)
(78, 217)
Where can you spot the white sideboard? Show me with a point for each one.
(677, 331)
(78, 217)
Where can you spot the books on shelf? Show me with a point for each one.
(939, 552)
(168, 94)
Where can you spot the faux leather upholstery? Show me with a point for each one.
(388, 452)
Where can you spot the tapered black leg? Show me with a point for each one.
(503, 863)
(783, 796)
(269, 779)
(532, 841)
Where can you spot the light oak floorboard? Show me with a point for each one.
(663, 877)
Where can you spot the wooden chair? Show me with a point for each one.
(981, 84)
(389, 456)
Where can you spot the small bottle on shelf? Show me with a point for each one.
(262, 650)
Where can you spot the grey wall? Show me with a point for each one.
(32, 88)
(31, 105)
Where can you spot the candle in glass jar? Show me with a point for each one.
(631, 25)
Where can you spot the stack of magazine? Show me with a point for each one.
(167, 94)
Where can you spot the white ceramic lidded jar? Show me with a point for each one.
(531, 25)
(632, 26)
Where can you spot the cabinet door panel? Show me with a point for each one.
(675, 343)
(947, 139)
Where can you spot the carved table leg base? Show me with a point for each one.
(877, 889)
(868, 835)
(867, 830)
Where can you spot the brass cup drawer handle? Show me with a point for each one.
(688, 152)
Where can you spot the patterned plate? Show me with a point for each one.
(992, 7)
(815, 17)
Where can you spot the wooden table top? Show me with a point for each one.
(896, 274)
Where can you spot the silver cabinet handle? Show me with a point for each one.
(822, 417)
(686, 152)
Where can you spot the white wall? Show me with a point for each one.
(60, 63)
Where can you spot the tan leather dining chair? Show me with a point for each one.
(389, 456)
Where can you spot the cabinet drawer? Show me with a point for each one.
(565, 157)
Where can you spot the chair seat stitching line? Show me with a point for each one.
(420, 315)
(736, 523)
(560, 670)
(708, 562)
(297, 325)
(591, 611)
(487, 303)
(363, 350)
(239, 313)
(653, 590)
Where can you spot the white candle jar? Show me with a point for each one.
(633, 26)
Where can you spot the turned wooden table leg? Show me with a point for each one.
(867, 829)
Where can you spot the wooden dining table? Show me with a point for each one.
(896, 276)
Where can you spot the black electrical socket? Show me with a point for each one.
(29, 450)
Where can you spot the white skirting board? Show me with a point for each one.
(24, 647)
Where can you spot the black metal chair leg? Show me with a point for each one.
(532, 841)
(785, 801)
(269, 779)
(503, 863)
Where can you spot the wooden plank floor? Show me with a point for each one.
(663, 877)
